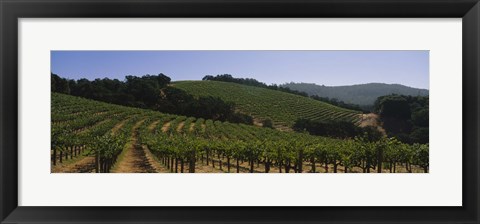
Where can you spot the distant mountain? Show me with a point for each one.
(362, 94)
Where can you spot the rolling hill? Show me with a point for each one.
(363, 94)
(282, 108)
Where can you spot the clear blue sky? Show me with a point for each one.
(331, 68)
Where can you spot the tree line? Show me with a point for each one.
(150, 92)
(337, 129)
(404, 117)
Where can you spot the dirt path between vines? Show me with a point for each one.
(83, 165)
(154, 162)
(192, 126)
(257, 122)
(165, 127)
(134, 159)
(153, 125)
(180, 126)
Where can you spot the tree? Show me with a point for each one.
(59, 85)
(421, 117)
(404, 117)
(420, 135)
(267, 123)
(394, 106)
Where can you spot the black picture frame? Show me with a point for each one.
(11, 11)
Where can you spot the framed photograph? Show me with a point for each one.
(239, 111)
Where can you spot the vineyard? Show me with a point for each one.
(91, 136)
(282, 108)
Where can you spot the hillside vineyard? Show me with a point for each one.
(282, 108)
(91, 136)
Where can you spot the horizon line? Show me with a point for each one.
(179, 80)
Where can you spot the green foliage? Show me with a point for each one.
(393, 106)
(420, 135)
(363, 94)
(283, 88)
(405, 117)
(150, 92)
(282, 108)
(106, 130)
(59, 85)
(421, 117)
(336, 129)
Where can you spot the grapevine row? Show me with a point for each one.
(185, 144)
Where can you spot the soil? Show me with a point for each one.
(180, 126)
(153, 161)
(134, 159)
(192, 126)
(257, 122)
(83, 165)
(153, 125)
(165, 127)
(371, 119)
